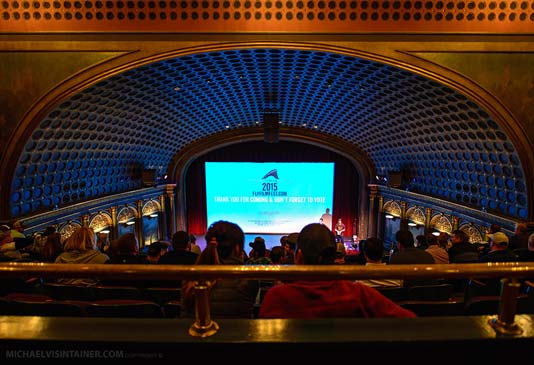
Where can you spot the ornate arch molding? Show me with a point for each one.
(101, 221)
(416, 215)
(392, 207)
(150, 207)
(441, 222)
(149, 54)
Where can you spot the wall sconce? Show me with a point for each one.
(153, 215)
(105, 231)
(389, 216)
(129, 223)
(412, 224)
(436, 233)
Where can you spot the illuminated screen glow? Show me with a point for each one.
(269, 197)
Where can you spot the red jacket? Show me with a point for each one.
(336, 298)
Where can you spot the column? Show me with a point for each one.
(85, 220)
(162, 219)
(455, 223)
(428, 218)
(404, 219)
(139, 229)
(380, 219)
(169, 191)
(114, 225)
(371, 230)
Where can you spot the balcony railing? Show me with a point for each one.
(511, 273)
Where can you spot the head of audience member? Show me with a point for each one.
(291, 241)
(404, 239)
(372, 249)
(17, 226)
(277, 253)
(155, 251)
(421, 240)
(127, 245)
(192, 239)
(229, 238)
(459, 237)
(318, 244)
(49, 230)
(52, 247)
(443, 240)
(180, 241)
(82, 239)
(4, 231)
(531, 242)
(258, 246)
(102, 241)
(341, 251)
(210, 255)
(494, 228)
(521, 228)
(165, 247)
(498, 241)
(283, 240)
(431, 240)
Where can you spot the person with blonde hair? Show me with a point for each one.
(80, 248)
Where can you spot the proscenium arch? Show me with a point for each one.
(433, 72)
(359, 159)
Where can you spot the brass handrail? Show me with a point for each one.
(204, 326)
(281, 272)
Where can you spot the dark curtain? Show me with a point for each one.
(345, 178)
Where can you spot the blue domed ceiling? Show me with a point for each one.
(97, 142)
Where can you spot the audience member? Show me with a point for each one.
(154, 252)
(80, 248)
(258, 254)
(408, 254)
(289, 245)
(443, 240)
(421, 242)
(52, 248)
(499, 252)
(528, 253)
(229, 298)
(102, 242)
(127, 251)
(373, 251)
(329, 298)
(179, 255)
(277, 254)
(461, 250)
(439, 254)
(193, 247)
(519, 240)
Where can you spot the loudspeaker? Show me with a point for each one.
(271, 127)
(148, 176)
(395, 179)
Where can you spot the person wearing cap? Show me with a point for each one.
(258, 255)
(326, 298)
(499, 252)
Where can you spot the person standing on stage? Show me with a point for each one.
(340, 229)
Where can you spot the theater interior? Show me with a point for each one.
(110, 108)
